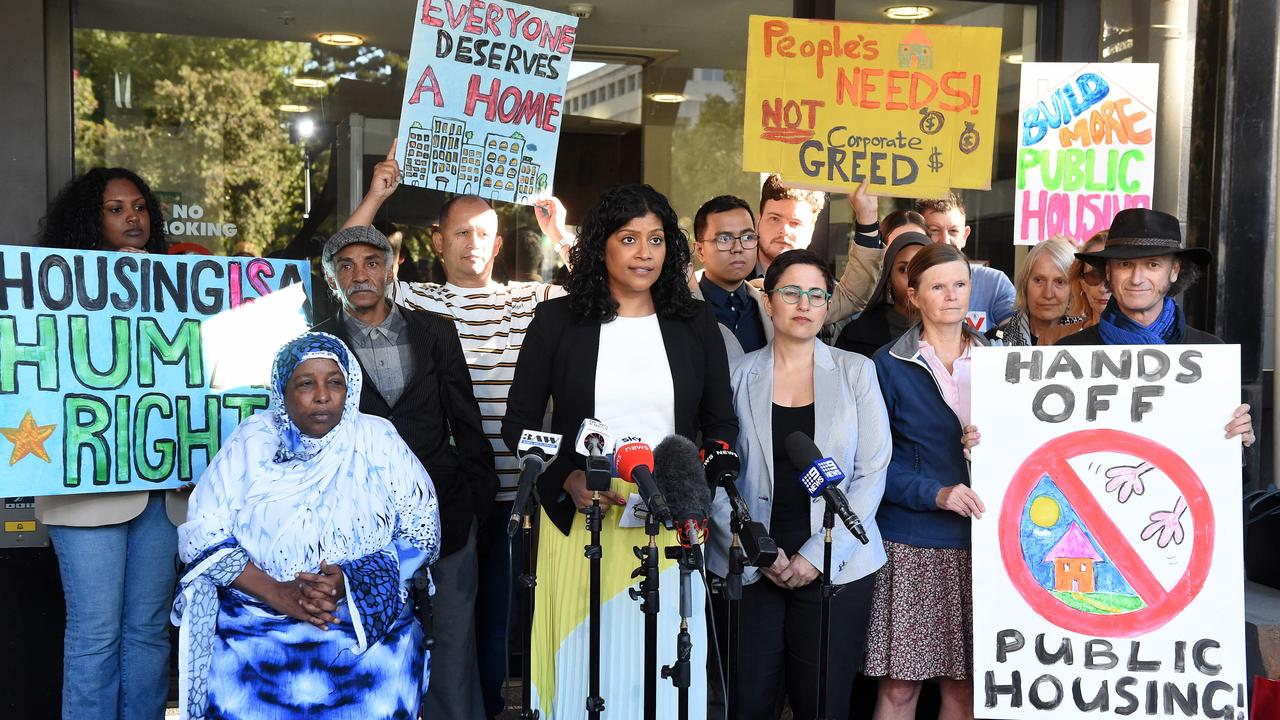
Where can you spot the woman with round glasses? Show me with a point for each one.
(796, 383)
(1089, 292)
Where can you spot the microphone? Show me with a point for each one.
(682, 480)
(593, 437)
(722, 465)
(820, 478)
(634, 461)
(535, 450)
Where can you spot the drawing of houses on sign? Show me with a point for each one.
(470, 168)
(527, 184)
(502, 154)
(447, 137)
(1073, 558)
(417, 156)
(916, 50)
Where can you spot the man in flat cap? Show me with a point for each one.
(415, 375)
(1145, 264)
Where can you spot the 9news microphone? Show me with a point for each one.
(722, 465)
(535, 450)
(680, 477)
(634, 461)
(593, 438)
(820, 478)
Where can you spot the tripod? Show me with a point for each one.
(679, 672)
(593, 552)
(648, 596)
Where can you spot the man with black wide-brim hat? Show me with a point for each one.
(1145, 265)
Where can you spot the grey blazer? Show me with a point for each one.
(851, 426)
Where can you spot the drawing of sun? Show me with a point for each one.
(1045, 511)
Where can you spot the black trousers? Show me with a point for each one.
(778, 645)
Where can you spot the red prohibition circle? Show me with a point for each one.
(1052, 459)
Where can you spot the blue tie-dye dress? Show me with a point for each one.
(356, 498)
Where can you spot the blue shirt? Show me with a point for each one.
(736, 311)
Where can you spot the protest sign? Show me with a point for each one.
(908, 108)
(1107, 579)
(1086, 147)
(121, 371)
(484, 98)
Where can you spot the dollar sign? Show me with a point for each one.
(935, 159)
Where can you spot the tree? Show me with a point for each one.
(706, 156)
(198, 118)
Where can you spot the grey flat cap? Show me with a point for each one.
(352, 235)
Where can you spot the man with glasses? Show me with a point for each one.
(726, 240)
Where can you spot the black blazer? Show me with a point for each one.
(437, 403)
(558, 362)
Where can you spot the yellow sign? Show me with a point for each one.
(19, 526)
(909, 108)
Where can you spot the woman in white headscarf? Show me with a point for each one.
(300, 541)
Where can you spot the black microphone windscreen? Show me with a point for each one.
(801, 450)
(680, 476)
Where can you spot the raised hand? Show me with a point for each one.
(866, 207)
(1166, 525)
(386, 176)
(1126, 480)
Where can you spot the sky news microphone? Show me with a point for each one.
(593, 438)
(722, 465)
(820, 477)
(683, 481)
(634, 461)
(535, 450)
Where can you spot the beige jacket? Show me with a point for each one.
(853, 289)
(105, 508)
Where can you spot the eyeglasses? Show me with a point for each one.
(748, 240)
(791, 295)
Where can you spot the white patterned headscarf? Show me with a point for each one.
(294, 444)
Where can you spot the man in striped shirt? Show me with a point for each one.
(491, 319)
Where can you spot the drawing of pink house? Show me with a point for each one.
(1073, 558)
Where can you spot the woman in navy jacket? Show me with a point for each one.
(921, 616)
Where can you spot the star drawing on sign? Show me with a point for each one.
(28, 439)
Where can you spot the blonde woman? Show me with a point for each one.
(1043, 289)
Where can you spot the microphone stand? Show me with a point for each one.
(595, 703)
(528, 580)
(679, 672)
(648, 596)
(733, 594)
(828, 589)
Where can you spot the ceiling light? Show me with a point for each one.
(908, 12)
(1013, 58)
(308, 82)
(666, 97)
(340, 39)
(290, 108)
(306, 127)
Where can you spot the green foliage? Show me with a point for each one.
(706, 156)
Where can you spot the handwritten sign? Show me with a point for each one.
(1086, 147)
(908, 108)
(1113, 505)
(485, 98)
(122, 372)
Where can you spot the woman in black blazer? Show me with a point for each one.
(630, 346)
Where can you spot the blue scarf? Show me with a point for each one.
(1117, 328)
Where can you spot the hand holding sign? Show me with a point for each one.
(865, 206)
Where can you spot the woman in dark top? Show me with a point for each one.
(889, 314)
(798, 384)
(630, 346)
